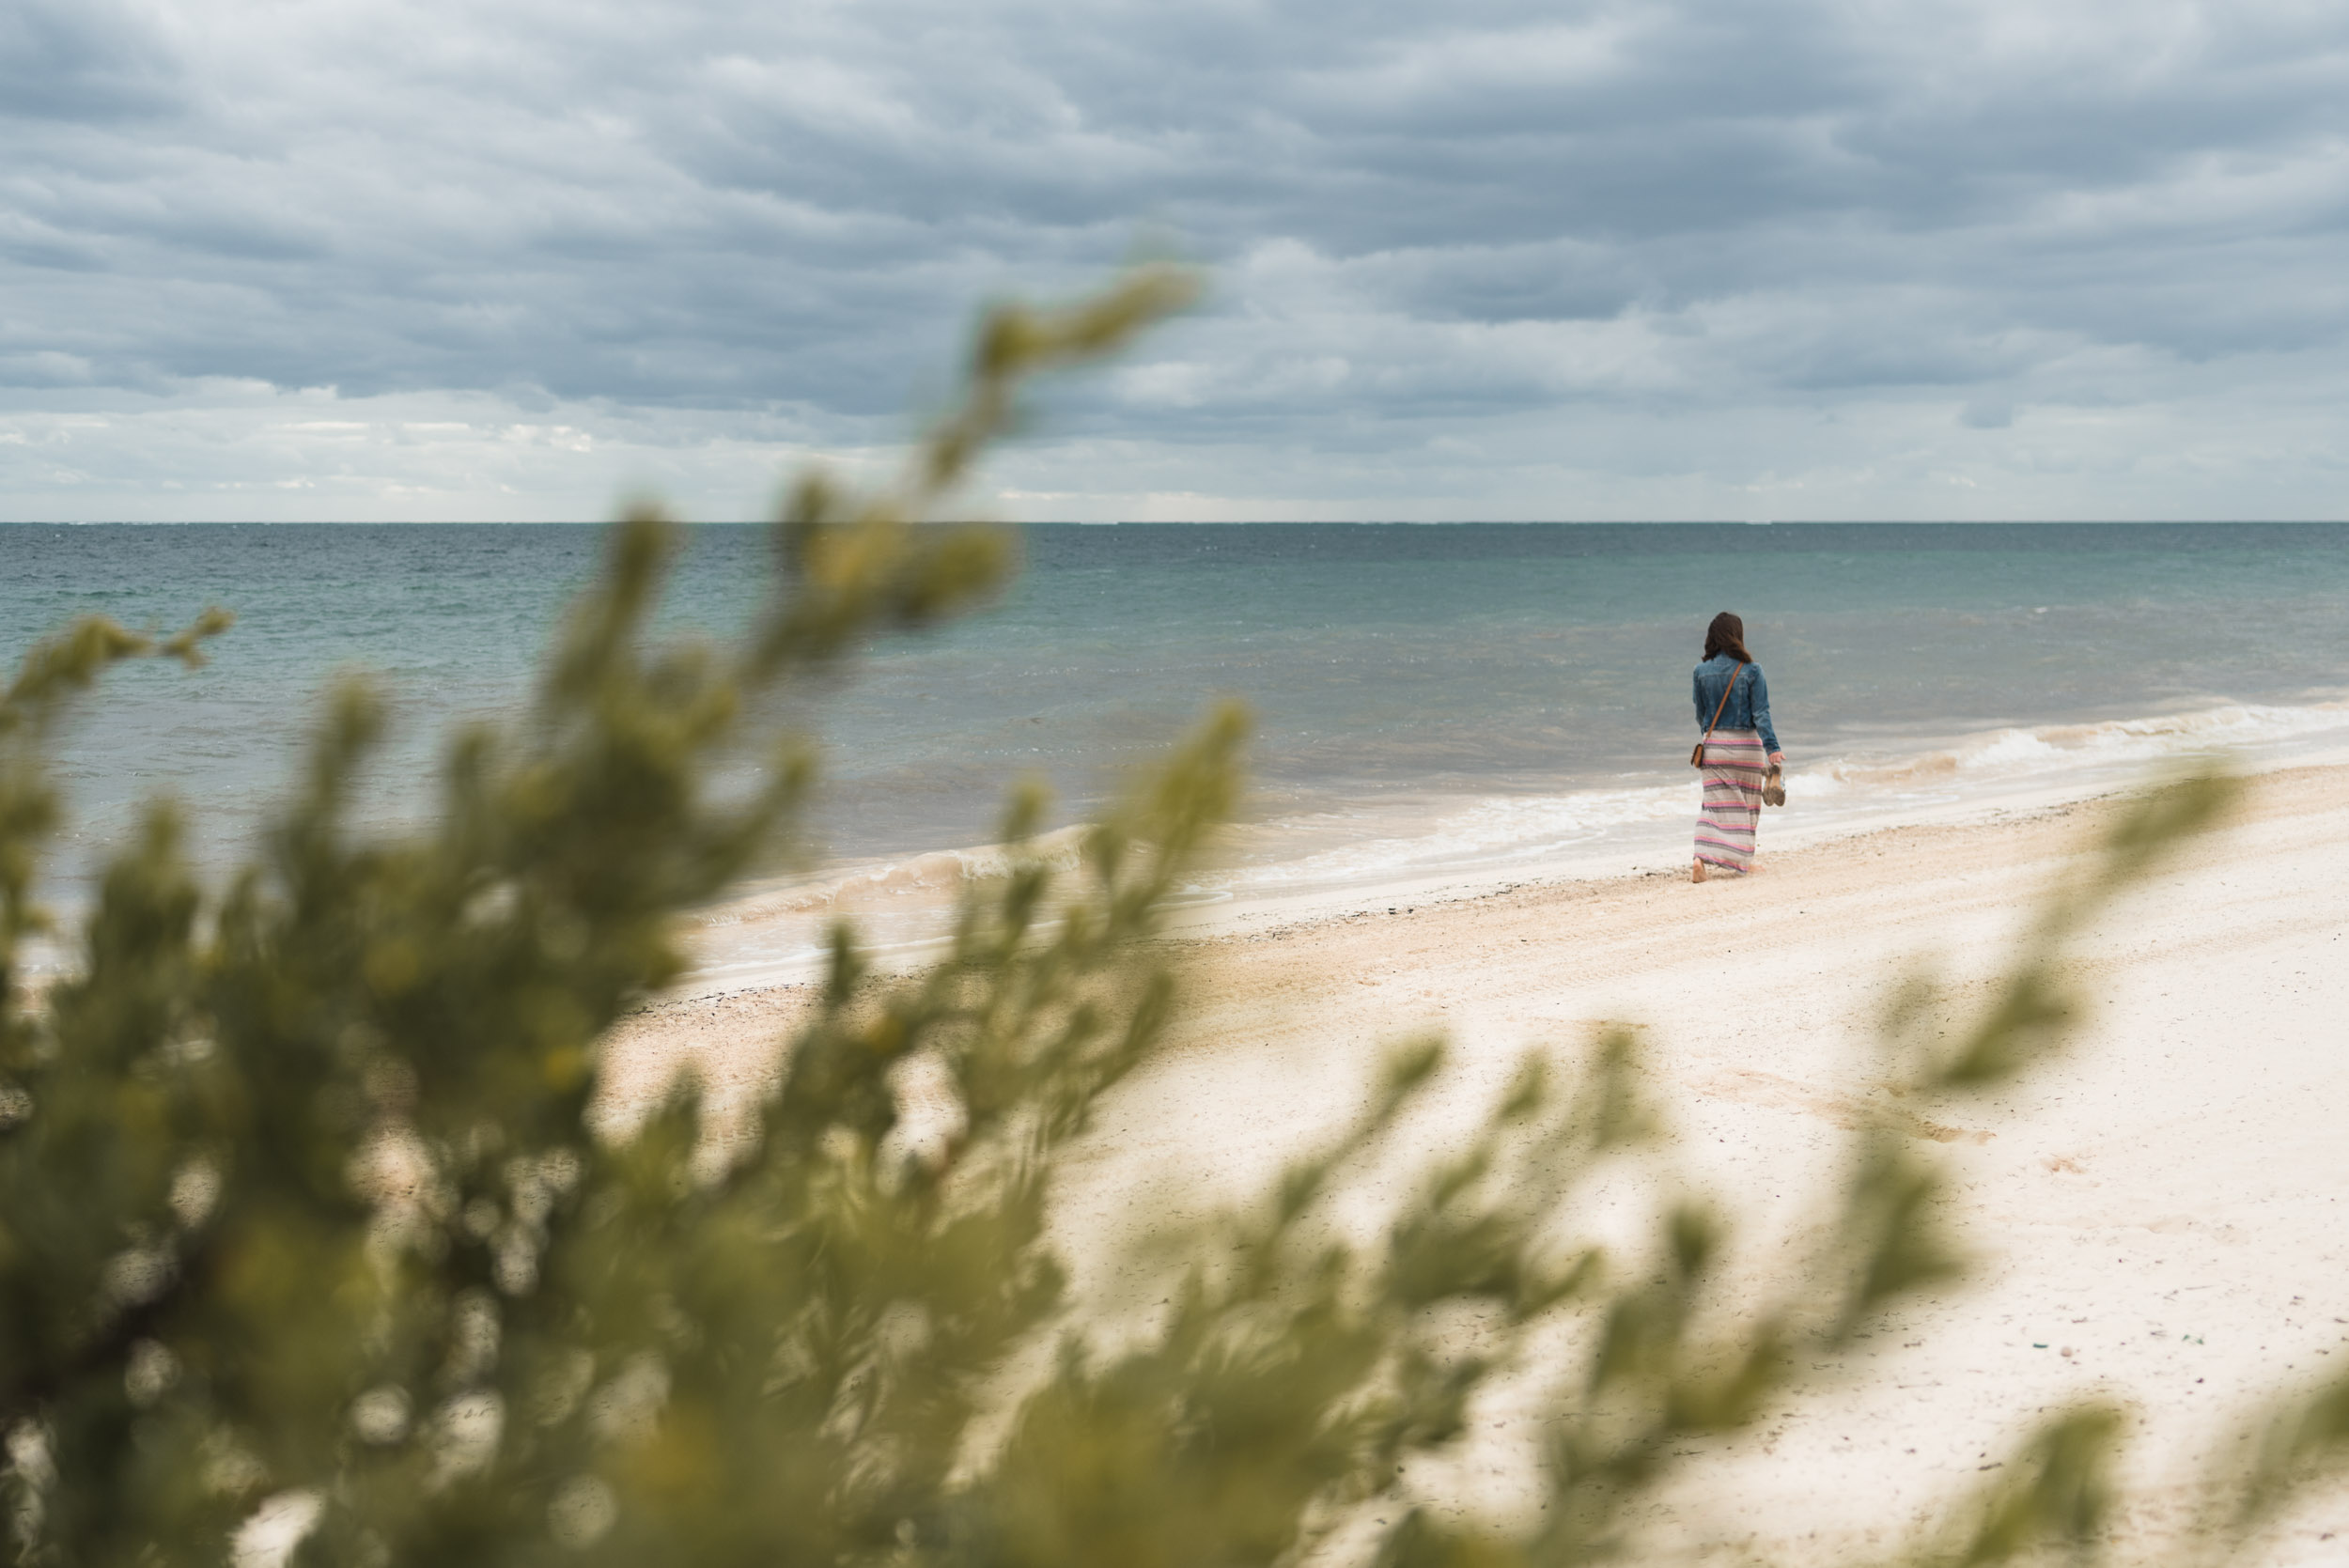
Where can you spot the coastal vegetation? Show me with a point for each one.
(305, 1246)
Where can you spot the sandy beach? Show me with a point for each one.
(2155, 1217)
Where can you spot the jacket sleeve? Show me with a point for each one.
(1762, 711)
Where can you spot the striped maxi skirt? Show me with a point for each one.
(1735, 764)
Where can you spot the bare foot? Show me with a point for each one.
(1696, 871)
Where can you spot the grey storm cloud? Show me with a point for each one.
(1411, 213)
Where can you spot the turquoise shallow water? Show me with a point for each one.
(1427, 697)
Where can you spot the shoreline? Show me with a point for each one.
(775, 933)
(2162, 1200)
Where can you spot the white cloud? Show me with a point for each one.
(239, 451)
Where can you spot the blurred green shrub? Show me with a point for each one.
(302, 1236)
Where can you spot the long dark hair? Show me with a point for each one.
(1727, 634)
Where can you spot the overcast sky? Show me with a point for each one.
(1752, 258)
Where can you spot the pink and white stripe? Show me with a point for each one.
(1735, 766)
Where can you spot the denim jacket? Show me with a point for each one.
(1748, 705)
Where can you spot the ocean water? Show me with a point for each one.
(1464, 701)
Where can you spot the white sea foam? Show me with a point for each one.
(1526, 831)
(2236, 728)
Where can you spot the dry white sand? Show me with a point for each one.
(2155, 1216)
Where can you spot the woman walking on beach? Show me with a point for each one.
(1733, 711)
